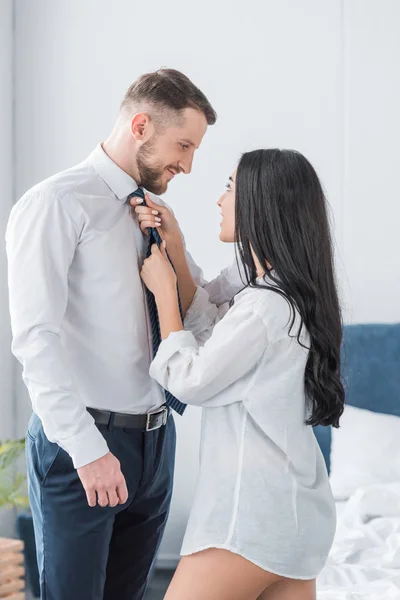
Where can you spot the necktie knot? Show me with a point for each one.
(154, 236)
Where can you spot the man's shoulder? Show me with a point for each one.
(69, 181)
(64, 191)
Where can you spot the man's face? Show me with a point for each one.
(171, 152)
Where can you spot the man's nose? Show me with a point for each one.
(185, 165)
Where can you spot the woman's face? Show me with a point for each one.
(227, 206)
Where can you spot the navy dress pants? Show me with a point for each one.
(99, 553)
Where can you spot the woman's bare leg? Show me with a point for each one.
(218, 575)
(290, 589)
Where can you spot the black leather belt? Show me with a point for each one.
(148, 422)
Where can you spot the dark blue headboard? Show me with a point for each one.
(371, 371)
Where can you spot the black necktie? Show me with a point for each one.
(154, 238)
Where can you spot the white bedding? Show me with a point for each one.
(364, 563)
(340, 506)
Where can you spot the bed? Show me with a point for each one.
(364, 563)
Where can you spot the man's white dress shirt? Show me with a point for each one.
(78, 307)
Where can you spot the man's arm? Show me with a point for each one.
(41, 241)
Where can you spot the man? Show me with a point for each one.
(101, 441)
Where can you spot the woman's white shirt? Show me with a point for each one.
(263, 489)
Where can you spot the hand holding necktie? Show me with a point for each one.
(157, 272)
(152, 215)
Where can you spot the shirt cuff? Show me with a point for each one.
(86, 446)
(201, 314)
(178, 341)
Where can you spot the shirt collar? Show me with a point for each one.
(117, 180)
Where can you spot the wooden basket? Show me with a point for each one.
(12, 572)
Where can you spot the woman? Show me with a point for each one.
(264, 371)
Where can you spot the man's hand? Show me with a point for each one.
(155, 215)
(104, 478)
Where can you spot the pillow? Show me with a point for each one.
(365, 450)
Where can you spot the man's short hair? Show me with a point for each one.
(168, 91)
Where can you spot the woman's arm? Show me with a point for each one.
(197, 374)
(193, 373)
(220, 290)
(168, 313)
(186, 284)
(160, 278)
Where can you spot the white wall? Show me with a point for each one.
(6, 179)
(371, 208)
(280, 73)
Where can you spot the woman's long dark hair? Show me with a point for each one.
(281, 213)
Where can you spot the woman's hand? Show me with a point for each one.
(155, 215)
(157, 272)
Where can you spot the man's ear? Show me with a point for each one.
(141, 127)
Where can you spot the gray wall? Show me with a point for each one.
(6, 178)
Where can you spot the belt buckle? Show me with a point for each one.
(149, 426)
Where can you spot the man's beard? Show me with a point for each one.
(150, 175)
